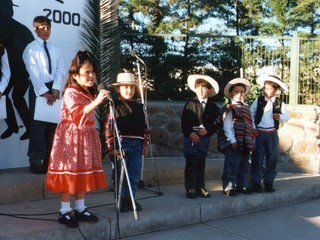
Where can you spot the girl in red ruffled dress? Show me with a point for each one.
(75, 163)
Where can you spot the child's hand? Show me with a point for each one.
(103, 94)
(276, 116)
(55, 94)
(194, 138)
(145, 150)
(234, 145)
(202, 132)
(49, 97)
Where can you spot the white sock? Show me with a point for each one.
(65, 207)
(79, 205)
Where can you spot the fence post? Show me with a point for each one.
(294, 70)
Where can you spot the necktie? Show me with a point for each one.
(48, 55)
(203, 104)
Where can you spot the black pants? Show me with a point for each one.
(20, 87)
(194, 173)
(41, 134)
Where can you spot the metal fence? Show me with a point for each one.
(294, 59)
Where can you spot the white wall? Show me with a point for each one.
(66, 22)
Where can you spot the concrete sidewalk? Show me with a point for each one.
(292, 222)
(37, 218)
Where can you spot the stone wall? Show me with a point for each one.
(300, 140)
(299, 137)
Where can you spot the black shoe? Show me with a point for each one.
(202, 192)
(231, 192)
(68, 220)
(25, 136)
(256, 187)
(191, 193)
(38, 169)
(268, 187)
(243, 190)
(7, 133)
(85, 216)
(138, 206)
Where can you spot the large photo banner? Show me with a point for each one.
(16, 18)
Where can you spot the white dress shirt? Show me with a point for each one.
(267, 121)
(37, 65)
(5, 69)
(203, 103)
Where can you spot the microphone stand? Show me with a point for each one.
(124, 170)
(141, 182)
(140, 82)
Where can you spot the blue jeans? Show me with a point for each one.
(265, 158)
(41, 135)
(133, 160)
(235, 170)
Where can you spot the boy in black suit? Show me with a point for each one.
(200, 119)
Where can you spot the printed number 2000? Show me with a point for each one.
(64, 17)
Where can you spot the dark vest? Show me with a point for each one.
(260, 109)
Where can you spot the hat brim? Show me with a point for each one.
(125, 84)
(243, 81)
(262, 78)
(192, 79)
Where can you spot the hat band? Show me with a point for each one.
(273, 76)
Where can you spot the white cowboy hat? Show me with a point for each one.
(264, 77)
(244, 81)
(125, 79)
(192, 79)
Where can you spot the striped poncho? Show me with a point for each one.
(243, 128)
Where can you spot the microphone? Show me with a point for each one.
(133, 53)
(100, 87)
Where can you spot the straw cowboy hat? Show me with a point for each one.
(264, 77)
(244, 81)
(192, 80)
(125, 79)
